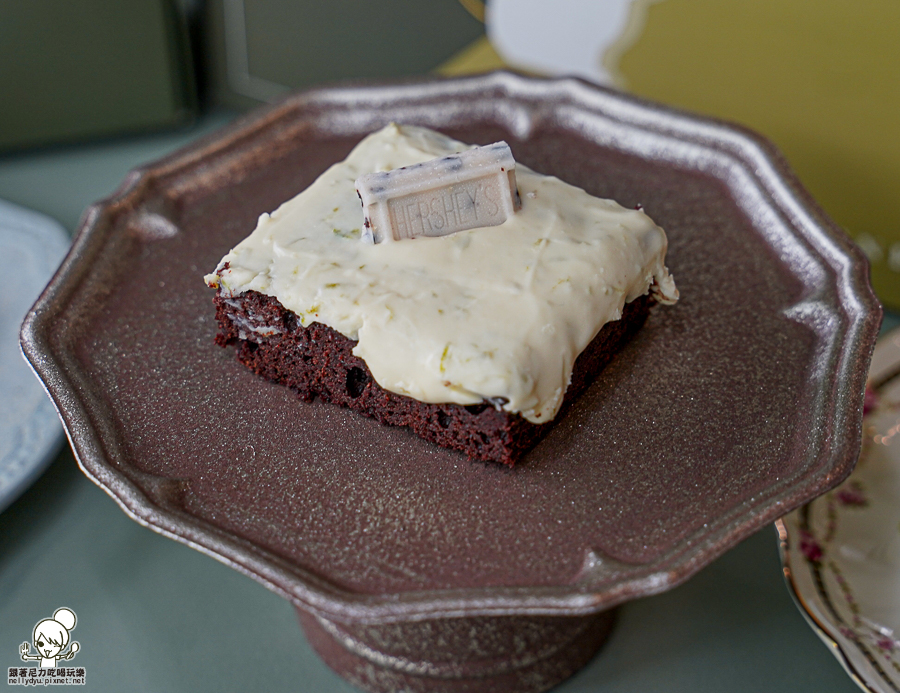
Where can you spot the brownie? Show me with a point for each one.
(317, 361)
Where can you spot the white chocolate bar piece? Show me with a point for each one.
(472, 189)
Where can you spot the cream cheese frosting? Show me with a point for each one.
(497, 313)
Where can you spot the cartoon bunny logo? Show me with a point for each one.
(50, 639)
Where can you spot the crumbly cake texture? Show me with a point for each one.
(316, 361)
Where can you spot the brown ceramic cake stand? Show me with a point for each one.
(413, 568)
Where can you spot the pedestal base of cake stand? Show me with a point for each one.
(469, 654)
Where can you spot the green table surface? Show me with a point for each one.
(154, 615)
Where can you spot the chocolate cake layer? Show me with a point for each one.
(318, 361)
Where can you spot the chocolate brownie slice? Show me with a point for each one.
(318, 361)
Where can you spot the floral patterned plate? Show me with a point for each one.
(841, 552)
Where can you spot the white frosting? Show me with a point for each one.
(495, 313)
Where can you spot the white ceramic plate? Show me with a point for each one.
(31, 248)
(841, 552)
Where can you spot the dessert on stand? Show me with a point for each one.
(410, 565)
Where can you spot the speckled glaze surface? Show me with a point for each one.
(476, 654)
(726, 411)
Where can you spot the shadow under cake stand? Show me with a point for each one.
(411, 567)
